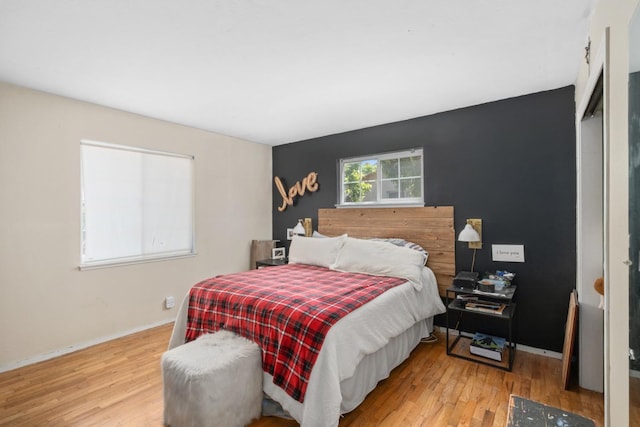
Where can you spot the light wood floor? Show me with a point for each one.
(119, 384)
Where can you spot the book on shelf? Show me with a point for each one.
(485, 306)
(487, 346)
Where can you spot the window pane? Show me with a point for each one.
(371, 195)
(351, 172)
(411, 187)
(368, 170)
(112, 212)
(389, 189)
(360, 192)
(410, 166)
(389, 168)
(167, 204)
(359, 179)
(359, 171)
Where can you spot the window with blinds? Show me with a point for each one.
(136, 204)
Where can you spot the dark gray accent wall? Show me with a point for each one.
(510, 163)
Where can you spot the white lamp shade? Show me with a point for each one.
(468, 234)
(299, 229)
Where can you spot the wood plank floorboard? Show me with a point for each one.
(119, 383)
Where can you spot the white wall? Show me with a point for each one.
(615, 15)
(47, 305)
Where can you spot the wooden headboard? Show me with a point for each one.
(430, 227)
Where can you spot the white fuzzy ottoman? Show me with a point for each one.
(215, 380)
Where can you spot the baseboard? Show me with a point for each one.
(540, 351)
(79, 346)
(75, 347)
(520, 347)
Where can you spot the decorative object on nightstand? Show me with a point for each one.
(472, 233)
(496, 282)
(277, 253)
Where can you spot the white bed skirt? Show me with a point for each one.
(379, 365)
(372, 369)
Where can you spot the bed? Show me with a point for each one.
(363, 346)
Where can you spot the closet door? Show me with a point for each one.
(634, 219)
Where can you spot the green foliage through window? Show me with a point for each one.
(359, 180)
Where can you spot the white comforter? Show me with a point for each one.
(363, 332)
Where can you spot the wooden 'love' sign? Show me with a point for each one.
(309, 183)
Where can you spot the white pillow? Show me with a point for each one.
(405, 244)
(380, 259)
(314, 251)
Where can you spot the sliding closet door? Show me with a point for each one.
(634, 219)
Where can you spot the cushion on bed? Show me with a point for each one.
(380, 259)
(313, 251)
(405, 244)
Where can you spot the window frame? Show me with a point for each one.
(379, 201)
(143, 256)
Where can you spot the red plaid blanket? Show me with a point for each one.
(287, 310)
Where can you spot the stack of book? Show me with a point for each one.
(485, 306)
(487, 346)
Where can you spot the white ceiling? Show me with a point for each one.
(278, 71)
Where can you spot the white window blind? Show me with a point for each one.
(137, 204)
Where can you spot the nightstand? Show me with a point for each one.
(458, 344)
(271, 262)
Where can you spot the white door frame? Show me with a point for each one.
(586, 256)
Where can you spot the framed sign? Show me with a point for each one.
(277, 253)
(508, 253)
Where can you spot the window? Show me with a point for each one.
(136, 204)
(391, 178)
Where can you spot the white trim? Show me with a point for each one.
(80, 346)
(539, 351)
(132, 261)
(599, 67)
(134, 149)
(380, 205)
(384, 156)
